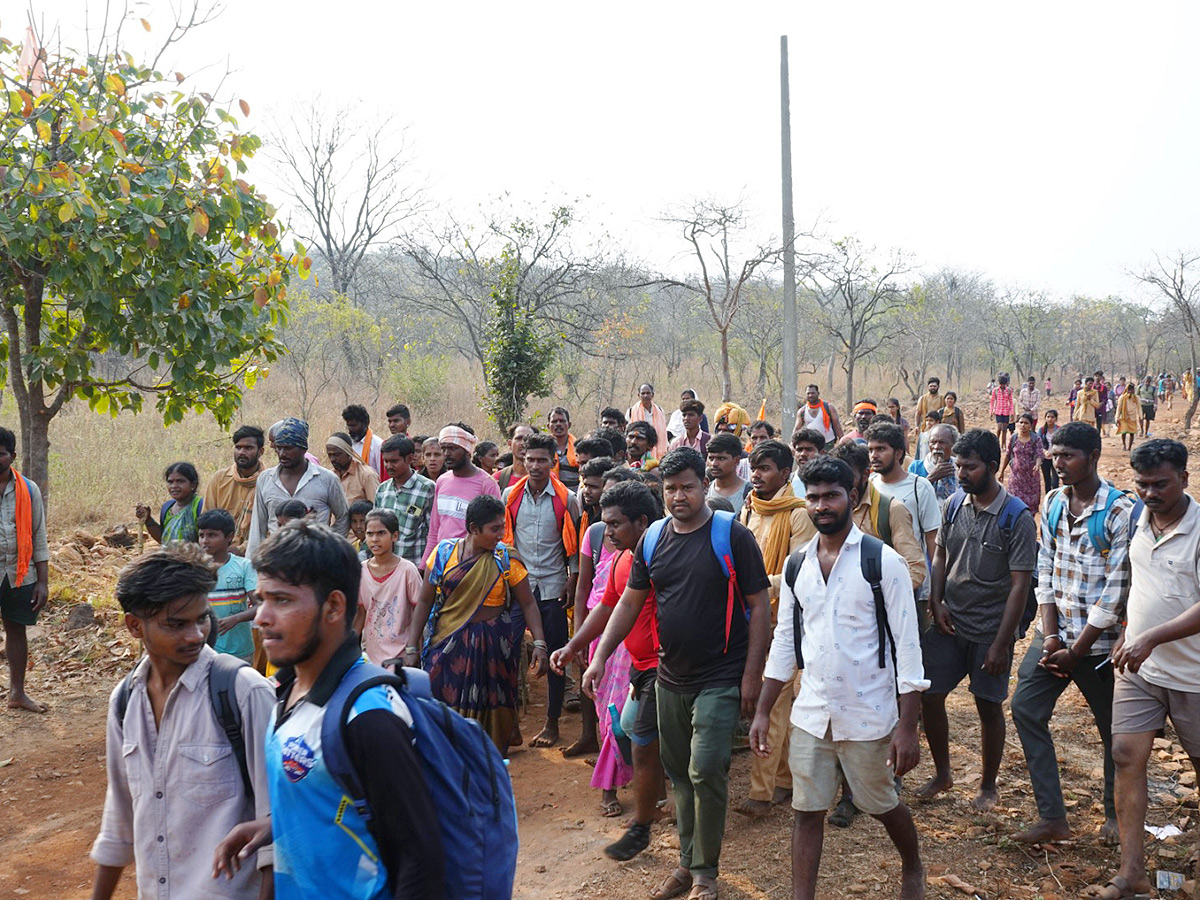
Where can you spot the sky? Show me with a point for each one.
(1048, 145)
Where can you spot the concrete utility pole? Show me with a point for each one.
(787, 402)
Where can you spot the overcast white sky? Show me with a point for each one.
(1051, 144)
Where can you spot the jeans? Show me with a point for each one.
(554, 627)
(695, 734)
(1032, 706)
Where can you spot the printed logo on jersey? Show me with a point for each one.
(298, 759)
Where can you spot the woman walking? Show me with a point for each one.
(1128, 413)
(1046, 433)
(1024, 456)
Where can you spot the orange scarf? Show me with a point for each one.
(572, 461)
(365, 453)
(824, 413)
(24, 517)
(570, 537)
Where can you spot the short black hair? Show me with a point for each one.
(399, 410)
(216, 520)
(615, 439)
(386, 518)
(829, 469)
(8, 440)
(681, 460)
(648, 430)
(594, 446)
(483, 509)
(250, 431)
(623, 473)
(634, 499)
(512, 429)
(982, 443)
(292, 509)
(559, 409)
(763, 423)
(935, 414)
(1157, 451)
(1077, 436)
(717, 503)
(186, 469)
(360, 508)
(597, 465)
(171, 572)
(809, 436)
(776, 451)
(356, 412)
(934, 379)
(691, 406)
(611, 412)
(853, 454)
(542, 442)
(724, 442)
(887, 433)
(304, 553)
(398, 443)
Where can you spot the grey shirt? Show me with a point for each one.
(8, 531)
(737, 498)
(175, 790)
(319, 489)
(537, 539)
(979, 565)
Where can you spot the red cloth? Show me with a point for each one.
(640, 641)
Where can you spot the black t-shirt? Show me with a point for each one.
(692, 593)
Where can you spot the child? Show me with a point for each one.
(358, 527)
(387, 591)
(232, 599)
(292, 509)
(174, 786)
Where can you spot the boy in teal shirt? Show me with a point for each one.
(232, 600)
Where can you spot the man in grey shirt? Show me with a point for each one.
(986, 554)
(541, 523)
(25, 577)
(295, 478)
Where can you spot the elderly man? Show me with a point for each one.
(359, 482)
(295, 478)
(937, 465)
(461, 483)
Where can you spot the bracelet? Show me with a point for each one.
(416, 650)
(540, 645)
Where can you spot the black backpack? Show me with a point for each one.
(871, 564)
(222, 690)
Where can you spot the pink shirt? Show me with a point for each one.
(388, 605)
(448, 520)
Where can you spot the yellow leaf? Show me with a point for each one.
(245, 107)
(123, 183)
(200, 222)
(184, 301)
(145, 24)
(66, 212)
(43, 130)
(274, 278)
(87, 123)
(115, 84)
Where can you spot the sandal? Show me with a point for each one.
(673, 885)
(843, 814)
(635, 839)
(1117, 888)
(610, 809)
(703, 891)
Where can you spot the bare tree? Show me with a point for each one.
(709, 228)
(1025, 327)
(857, 296)
(1176, 279)
(354, 184)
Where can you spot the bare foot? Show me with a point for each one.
(938, 784)
(912, 884)
(985, 800)
(547, 737)
(581, 747)
(1119, 887)
(781, 796)
(1045, 831)
(25, 702)
(754, 809)
(1110, 835)
(516, 739)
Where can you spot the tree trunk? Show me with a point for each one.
(1191, 411)
(850, 361)
(828, 386)
(726, 380)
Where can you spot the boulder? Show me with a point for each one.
(120, 536)
(82, 615)
(83, 538)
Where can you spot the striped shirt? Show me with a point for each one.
(1002, 401)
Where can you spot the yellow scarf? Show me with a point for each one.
(779, 539)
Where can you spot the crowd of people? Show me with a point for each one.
(819, 599)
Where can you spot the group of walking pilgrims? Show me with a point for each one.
(689, 582)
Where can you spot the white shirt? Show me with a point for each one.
(1166, 582)
(843, 688)
(815, 419)
(373, 457)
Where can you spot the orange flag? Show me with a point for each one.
(762, 410)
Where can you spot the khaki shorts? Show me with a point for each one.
(819, 765)
(1139, 706)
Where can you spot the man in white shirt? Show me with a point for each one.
(886, 444)
(1157, 659)
(844, 720)
(367, 445)
(1029, 398)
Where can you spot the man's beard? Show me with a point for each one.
(305, 653)
(835, 526)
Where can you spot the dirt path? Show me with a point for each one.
(52, 792)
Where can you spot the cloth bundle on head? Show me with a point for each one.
(341, 444)
(734, 415)
(459, 437)
(865, 406)
(291, 432)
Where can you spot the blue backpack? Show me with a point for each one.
(467, 778)
(722, 529)
(1095, 524)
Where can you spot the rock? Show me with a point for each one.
(69, 559)
(120, 537)
(81, 616)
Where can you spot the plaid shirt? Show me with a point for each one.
(1002, 401)
(1087, 588)
(412, 504)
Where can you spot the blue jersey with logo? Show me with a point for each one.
(322, 847)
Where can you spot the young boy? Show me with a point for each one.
(387, 591)
(358, 527)
(232, 599)
(174, 787)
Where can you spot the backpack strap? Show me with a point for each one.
(222, 690)
(870, 559)
(1054, 510)
(1135, 515)
(650, 540)
(123, 692)
(791, 570)
(722, 544)
(954, 504)
(1010, 512)
(1099, 519)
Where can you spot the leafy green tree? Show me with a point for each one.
(517, 358)
(128, 231)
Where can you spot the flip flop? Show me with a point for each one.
(611, 809)
(1117, 888)
(702, 891)
(672, 886)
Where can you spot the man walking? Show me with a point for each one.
(690, 411)
(986, 554)
(1083, 584)
(1029, 398)
(232, 489)
(931, 400)
(566, 464)
(461, 483)
(708, 647)
(25, 581)
(818, 415)
(844, 721)
(364, 442)
(1148, 397)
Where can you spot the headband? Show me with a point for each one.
(291, 432)
(865, 406)
(459, 437)
(340, 444)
